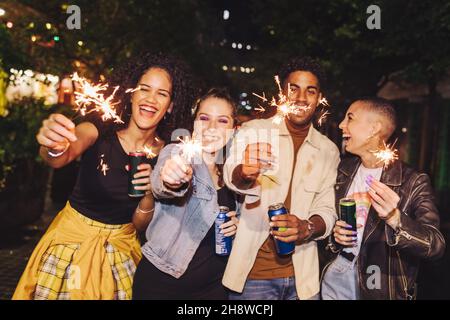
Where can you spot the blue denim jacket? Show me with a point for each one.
(181, 219)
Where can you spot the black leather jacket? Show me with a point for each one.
(396, 253)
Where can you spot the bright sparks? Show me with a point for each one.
(149, 152)
(322, 118)
(91, 98)
(324, 102)
(283, 104)
(103, 166)
(133, 90)
(386, 154)
(189, 148)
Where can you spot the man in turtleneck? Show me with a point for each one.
(296, 165)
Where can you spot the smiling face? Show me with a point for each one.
(214, 124)
(359, 126)
(153, 100)
(304, 92)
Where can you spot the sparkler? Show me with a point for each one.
(284, 105)
(323, 117)
(189, 148)
(90, 98)
(103, 166)
(260, 108)
(133, 90)
(149, 152)
(386, 154)
(324, 102)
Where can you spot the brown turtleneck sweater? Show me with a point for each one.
(268, 264)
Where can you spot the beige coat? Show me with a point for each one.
(312, 194)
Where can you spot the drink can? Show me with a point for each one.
(347, 211)
(283, 248)
(223, 244)
(134, 160)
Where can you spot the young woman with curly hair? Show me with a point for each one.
(90, 250)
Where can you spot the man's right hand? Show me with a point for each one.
(258, 158)
(56, 132)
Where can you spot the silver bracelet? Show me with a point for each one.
(55, 155)
(311, 229)
(144, 211)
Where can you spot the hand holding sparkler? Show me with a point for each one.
(175, 173)
(258, 158)
(384, 200)
(178, 170)
(56, 133)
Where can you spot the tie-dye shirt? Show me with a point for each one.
(359, 192)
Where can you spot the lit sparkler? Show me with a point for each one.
(149, 152)
(260, 108)
(90, 98)
(103, 166)
(133, 90)
(189, 148)
(323, 117)
(284, 105)
(386, 154)
(324, 102)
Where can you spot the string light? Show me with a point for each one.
(226, 15)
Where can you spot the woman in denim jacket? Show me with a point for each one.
(179, 256)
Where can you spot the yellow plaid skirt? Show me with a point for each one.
(105, 269)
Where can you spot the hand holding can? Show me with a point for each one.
(345, 230)
(222, 243)
(283, 248)
(136, 162)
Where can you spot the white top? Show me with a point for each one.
(359, 192)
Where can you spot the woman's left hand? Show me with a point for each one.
(229, 228)
(143, 177)
(383, 198)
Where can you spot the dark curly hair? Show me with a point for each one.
(303, 64)
(184, 92)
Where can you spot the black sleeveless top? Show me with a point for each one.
(104, 197)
